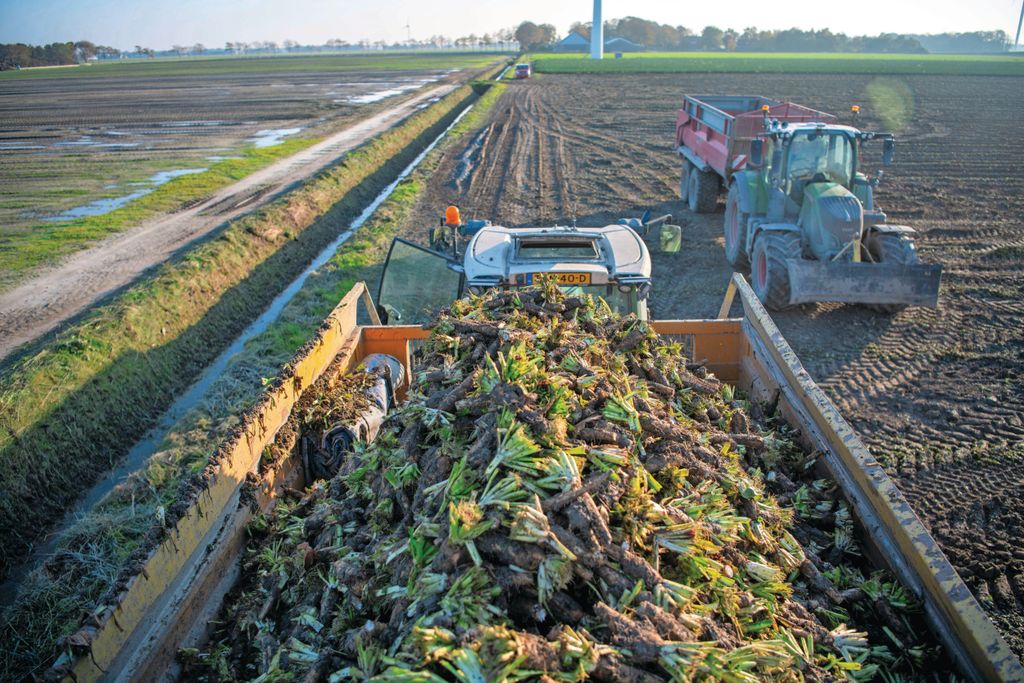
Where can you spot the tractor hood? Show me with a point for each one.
(831, 217)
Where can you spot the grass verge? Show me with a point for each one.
(95, 552)
(69, 410)
(774, 62)
(44, 243)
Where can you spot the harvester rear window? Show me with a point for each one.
(541, 249)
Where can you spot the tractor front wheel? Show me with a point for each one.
(895, 249)
(702, 195)
(735, 228)
(768, 267)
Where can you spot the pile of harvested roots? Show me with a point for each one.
(563, 496)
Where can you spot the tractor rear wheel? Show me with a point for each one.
(702, 194)
(684, 180)
(735, 228)
(895, 249)
(769, 275)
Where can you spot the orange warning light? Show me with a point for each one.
(452, 216)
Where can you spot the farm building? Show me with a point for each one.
(575, 42)
(619, 44)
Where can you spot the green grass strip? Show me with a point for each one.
(784, 62)
(46, 242)
(70, 410)
(98, 547)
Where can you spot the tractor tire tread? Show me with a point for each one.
(778, 247)
(890, 248)
(703, 191)
(737, 256)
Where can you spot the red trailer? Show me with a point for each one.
(713, 134)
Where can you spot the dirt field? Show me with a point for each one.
(937, 394)
(101, 137)
(62, 291)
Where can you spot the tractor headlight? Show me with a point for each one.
(625, 288)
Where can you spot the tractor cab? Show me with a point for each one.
(813, 180)
(610, 262)
(803, 217)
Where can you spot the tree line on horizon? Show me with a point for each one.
(668, 38)
(14, 55)
(20, 55)
(540, 37)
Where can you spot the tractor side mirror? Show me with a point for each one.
(888, 150)
(757, 153)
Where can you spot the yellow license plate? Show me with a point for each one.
(570, 278)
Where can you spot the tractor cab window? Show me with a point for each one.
(818, 157)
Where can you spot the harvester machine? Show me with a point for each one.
(800, 213)
(612, 262)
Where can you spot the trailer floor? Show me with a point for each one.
(938, 395)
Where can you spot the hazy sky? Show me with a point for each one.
(160, 23)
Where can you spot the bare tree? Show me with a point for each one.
(198, 48)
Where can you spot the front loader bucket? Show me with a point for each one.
(864, 283)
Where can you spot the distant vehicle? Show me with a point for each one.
(523, 71)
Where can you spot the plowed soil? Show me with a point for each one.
(938, 395)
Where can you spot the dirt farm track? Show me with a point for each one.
(938, 395)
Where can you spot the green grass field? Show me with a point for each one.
(269, 64)
(782, 62)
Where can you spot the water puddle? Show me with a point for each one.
(190, 124)
(391, 91)
(108, 204)
(271, 136)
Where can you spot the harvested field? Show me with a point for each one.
(937, 394)
(82, 142)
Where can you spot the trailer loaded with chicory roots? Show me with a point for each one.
(800, 213)
(565, 496)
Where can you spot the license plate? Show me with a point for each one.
(563, 279)
(570, 278)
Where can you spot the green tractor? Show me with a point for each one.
(806, 224)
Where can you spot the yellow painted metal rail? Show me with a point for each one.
(901, 539)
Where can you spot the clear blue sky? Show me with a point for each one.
(160, 23)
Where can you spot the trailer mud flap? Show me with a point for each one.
(864, 283)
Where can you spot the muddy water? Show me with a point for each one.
(102, 206)
(140, 454)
